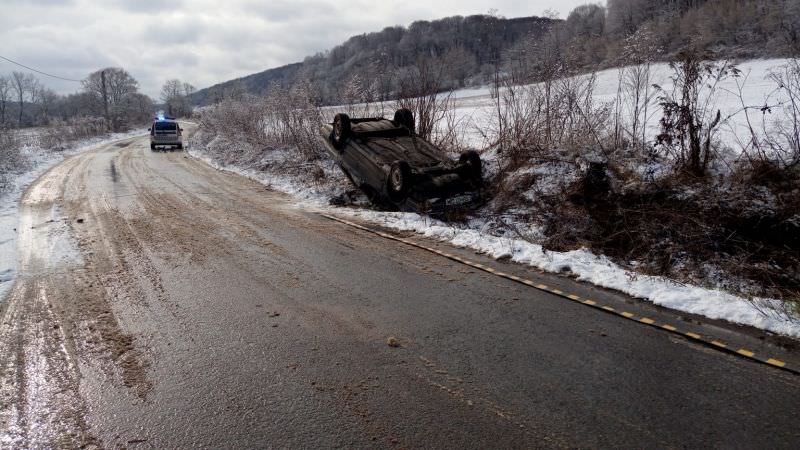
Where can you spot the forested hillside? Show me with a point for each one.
(464, 51)
(593, 35)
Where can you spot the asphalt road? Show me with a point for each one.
(164, 304)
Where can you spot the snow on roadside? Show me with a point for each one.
(40, 160)
(279, 179)
(597, 270)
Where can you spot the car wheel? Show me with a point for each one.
(471, 164)
(152, 146)
(405, 118)
(341, 130)
(398, 182)
(180, 147)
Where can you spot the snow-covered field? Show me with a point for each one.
(473, 107)
(40, 160)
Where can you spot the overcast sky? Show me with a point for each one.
(205, 42)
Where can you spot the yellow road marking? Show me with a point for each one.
(544, 287)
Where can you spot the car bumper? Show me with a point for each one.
(460, 202)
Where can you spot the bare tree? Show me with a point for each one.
(20, 84)
(174, 94)
(5, 97)
(110, 89)
(188, 89)
(170, 92)
(119, 83)
(45, 99)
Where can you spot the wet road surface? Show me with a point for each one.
(164, 304)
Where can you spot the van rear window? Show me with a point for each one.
(166, 126)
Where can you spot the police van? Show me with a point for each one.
(165, 132)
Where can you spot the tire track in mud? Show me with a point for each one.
(40, 380)
(59, 319)
(229, 220)
(41, 405)
(104, 267)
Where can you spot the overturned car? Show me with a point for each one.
(390, 163)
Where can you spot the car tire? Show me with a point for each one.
(471, 164)
(179, 147)
(341, 130)
(405, 118)
(152, 147)
(398, 181)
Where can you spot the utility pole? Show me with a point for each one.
(105, 97)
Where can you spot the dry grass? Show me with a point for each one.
(743, 235)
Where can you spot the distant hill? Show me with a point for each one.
(256, 83)
(465, 48)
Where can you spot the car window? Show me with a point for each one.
(166, 126)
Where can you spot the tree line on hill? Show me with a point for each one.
(466, 49)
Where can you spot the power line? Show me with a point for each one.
(39, 71)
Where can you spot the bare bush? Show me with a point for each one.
(774, 138)
(689, 121)
(560, 114)
(294, 119)
(285, 118)
(420, 90)
(448, 133)
(11, 158)
(61, 133)
(635, 94)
